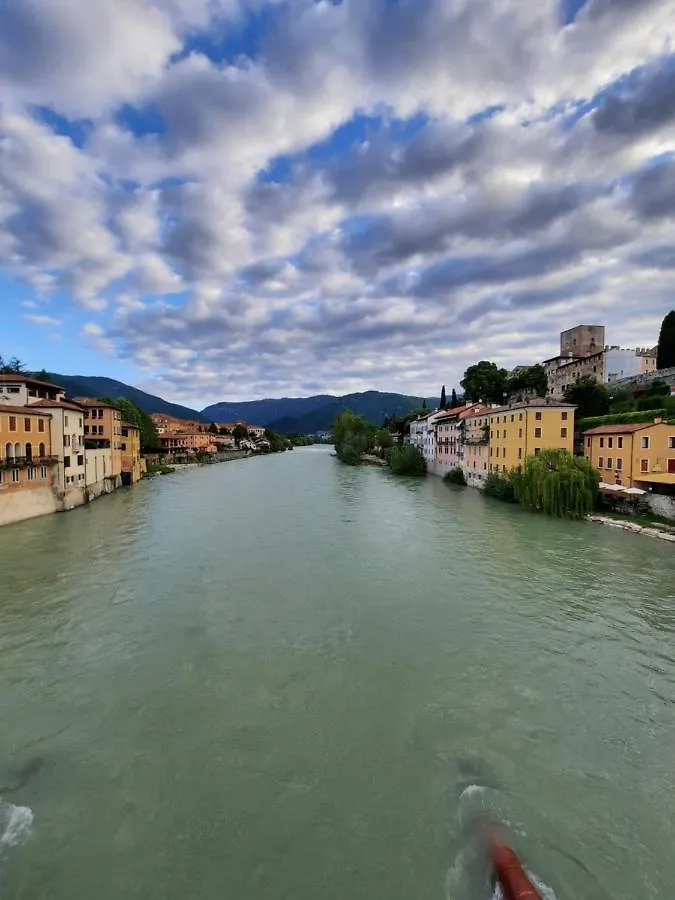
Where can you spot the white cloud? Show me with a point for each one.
(41, 320)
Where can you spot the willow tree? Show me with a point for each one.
(557, 483)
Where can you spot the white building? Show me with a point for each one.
(68, 446)
(423, 435)
(620, 363)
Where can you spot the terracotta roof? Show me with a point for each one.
(619, 429)
(57, 404)
(28, 379)
(13, 410)
(131, 425)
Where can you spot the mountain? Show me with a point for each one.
(95, 386)
(262, 412)
(374, 406)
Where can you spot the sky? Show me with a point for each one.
(233, 199)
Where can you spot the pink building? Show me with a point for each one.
(450, 438)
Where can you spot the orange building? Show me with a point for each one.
(176, 442)
(133, 465)
(171, 425)
(638, 455)
(26, 464)
(103, 429)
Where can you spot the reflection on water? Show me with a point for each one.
(284, 677)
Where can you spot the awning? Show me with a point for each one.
(656, 477)
(635, 492)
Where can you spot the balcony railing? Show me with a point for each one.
(21, 462)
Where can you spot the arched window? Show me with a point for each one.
(9, 450)
(17, 450)
(29, 451)
(42, 450)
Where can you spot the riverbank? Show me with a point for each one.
(663, 532)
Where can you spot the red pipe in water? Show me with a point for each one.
(510, 873)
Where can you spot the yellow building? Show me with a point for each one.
(133, 466)
(640, 455)
(26, 463)
(524, 429)
(103, 429)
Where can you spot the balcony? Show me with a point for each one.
(22, 462)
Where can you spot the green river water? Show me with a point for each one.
(286, 679)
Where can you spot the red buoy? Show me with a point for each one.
(510, 873)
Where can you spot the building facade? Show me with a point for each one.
(103, 430)
(189, 443)
(638, 455)
(22, 390)
(450, 437)
(525, 429)
(26, 464)
(476, 461)
(166, 424)
(133, 464)
(68, 446)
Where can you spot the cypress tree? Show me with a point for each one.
(453, 399)
(665, 356)
(444, 402)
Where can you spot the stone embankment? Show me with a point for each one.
(664, 534)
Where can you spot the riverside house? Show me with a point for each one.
(640, 455)
(477, 446)
(103, 431)
(26, 463)
(450, 430)
(524, 429)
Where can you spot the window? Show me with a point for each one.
(520, 417)
(644, 463)
(563, 432)
(520, 452)
(610, 442)
(671, 443)
(537, 432)
(80, 460)
(537, 416)
(43, 472)
(31, 473)
(602, 442)
(491, 449)
(100, 429)
(537, 451)
(644, 443)
(520, 432)
(15, 476)
(563, 416)
(86, 429)
(2, 474)
(42, 450)
(503, 468)
(619, 443)
(124, 447)
(80, 422)
(588, 442)
(65, 421)
(12, 423)
(66, 440)
(609, 462)
(601, 462)
(80, 477)
(512, 417)
(66, 462)
(13, 390)
(619, 463)
(492, 434)
(504, 452)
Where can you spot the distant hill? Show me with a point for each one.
(374, 406)
(95, 386)
(262, 412)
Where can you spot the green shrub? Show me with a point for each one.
(557, 483)
(500, 487)
(405, 459)
(455, 476)
(620, 419)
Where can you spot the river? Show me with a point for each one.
(280, 678)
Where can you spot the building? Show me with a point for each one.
(524, 429)
(103, 431)
(476, 459)
(21, 390)
(26, 463)
(647, 356)
(562, 372)
(188, 443)
(638, 455)
(133, 464)
(166, 424)
(619, 363)
(68, 446)
(449, 443)
(423, 435)
(582, 340)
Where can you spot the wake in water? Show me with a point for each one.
(15, 824)
(470, 877)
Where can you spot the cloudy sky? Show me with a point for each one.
(230, 199)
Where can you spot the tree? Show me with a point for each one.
(590, 398)
(665, 354)
(224, 431)
(484, 381)
(443, 400)
(383, 439)
(453, 399)
(405, 459)
(424, 404)
(240, 433)
(352, 436)
(135, 416)
(13, 366)
(557, 483)
(532, 381)
(42, 375)
(213, 428)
